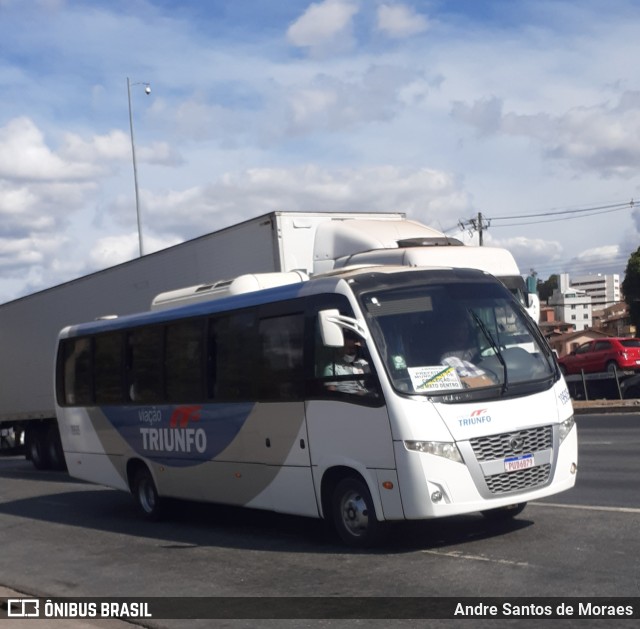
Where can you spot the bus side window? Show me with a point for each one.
(184, 352)
(108, 360)
(78, 386)
(344, 371)
(281, 374)
(233, 345)
(145, 368)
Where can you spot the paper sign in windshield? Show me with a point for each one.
(437, 378)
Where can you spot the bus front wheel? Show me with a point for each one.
(354, 515)
(146, 495)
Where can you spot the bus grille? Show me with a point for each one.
(501, 446)
(516, 481)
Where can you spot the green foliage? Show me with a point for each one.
(631, 287)
(546, 288)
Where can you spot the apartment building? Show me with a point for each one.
(604, 290)
(571, 304)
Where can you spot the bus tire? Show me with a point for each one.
(354, 515)
(146, 495)
(504, 513)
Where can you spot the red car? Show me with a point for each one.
(603, 355)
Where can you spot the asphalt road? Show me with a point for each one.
(65, 538)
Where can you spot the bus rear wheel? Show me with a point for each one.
(146, 495)
(354, 515)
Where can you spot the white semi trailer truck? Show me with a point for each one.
(278, 242)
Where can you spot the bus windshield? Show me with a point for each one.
(446, 338)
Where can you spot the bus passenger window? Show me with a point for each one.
(145, 369)
(108, 360)
(183, 361)
(280, 356)
(77, 372)
(233, 343)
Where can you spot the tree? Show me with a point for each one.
(631, 287)
(546, 288)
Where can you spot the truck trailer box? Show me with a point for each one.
(29, 326)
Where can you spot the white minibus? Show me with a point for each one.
(365, 396)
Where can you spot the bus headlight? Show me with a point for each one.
(565, 427)
(447, 450)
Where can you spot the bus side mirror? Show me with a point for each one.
(534, 306)
(330, 329)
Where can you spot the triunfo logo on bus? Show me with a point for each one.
(180, 436)
(477, 416)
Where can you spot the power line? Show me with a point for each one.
(558, 220)
(481, 223)
(614, 206)
(478, 224)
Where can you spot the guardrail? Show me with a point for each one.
(605, 385)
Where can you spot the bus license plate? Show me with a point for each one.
(517, 463)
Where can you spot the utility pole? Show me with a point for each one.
(476, 224)
(147, 91)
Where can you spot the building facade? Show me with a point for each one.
(604, 290)
(571, 304)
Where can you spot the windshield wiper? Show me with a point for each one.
(494, 346)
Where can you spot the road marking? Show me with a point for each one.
(585, 507)
(458, 555)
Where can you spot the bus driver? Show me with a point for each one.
(347, 362)
(463, 352)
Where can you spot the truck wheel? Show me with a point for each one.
(504, 513)
(55, 453)
(37, 450)
(146, 495)
(354, 515)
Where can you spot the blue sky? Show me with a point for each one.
(438, 109)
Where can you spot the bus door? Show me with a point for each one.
(275, 435)
(347, 419)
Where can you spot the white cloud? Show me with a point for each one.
(25, 156)
(36, 207)
(400, 20)
(603, 138)
(428, 195)
(485, 115)
(171, 216)
(530, 248)
(15, 253)
(120, 248)
(39, 188)
(116, 145)
(332, 103)
(324, 25)
(598, 254)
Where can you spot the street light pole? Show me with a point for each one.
(147, 90)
